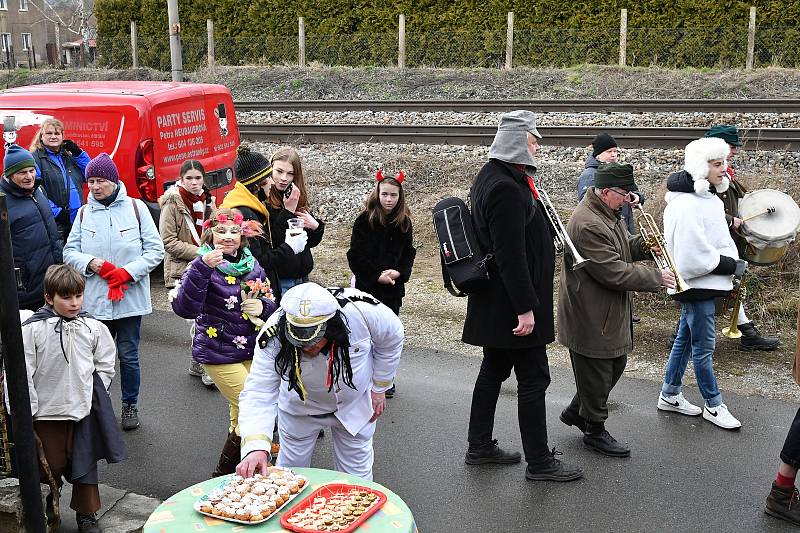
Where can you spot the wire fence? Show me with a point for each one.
(708, 47)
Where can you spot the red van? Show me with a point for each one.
(148, 128)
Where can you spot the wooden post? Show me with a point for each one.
(134, 49)
(751, 38)
(301, 38)
(210, 32)
(175, 49)
(623, 37)
(58, 44)
(510, 41)
(401, 42)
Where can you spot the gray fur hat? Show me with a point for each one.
(696, 157)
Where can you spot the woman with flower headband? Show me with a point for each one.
(228, 293)
(382, 249)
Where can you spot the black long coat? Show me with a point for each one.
(513, 226)
(373, 250)
(299, 265)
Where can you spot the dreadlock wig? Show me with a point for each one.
(287, 360)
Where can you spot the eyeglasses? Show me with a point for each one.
(226, 230)
(627, 195)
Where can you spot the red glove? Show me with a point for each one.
(117, 292)
(106, 269)
(117, 277)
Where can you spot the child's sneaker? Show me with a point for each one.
(677, 404)
(130, 416)
(721, 417)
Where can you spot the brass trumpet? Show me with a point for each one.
(562, 241)
(732, 330)
(653, 237)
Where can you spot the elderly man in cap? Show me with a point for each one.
(513, 318)
(751, 338)
(594, 302)
(325, 360)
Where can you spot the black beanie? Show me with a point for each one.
(251, 167)
(602, 142)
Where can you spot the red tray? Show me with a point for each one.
(329, 490)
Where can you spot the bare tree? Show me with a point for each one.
(70, 15)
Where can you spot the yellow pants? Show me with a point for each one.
(229, 379)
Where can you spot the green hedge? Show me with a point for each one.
(456, 33)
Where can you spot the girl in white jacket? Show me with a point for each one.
(698, 239)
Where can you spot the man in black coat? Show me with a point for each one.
(513, 318)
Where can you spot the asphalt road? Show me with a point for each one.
(684, 474)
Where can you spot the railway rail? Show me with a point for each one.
(668, 138)
(539, 106)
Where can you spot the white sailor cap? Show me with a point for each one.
(308, 307)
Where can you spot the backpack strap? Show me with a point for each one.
(448, 283)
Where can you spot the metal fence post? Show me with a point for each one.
(751, 38)
(401, 42)
(510, 41)
(623, 37)
(134, 46)
(27, 463)
(301, 38)
(210, 31)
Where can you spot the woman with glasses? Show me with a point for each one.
(227, 291)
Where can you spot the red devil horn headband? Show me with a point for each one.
(401, 176)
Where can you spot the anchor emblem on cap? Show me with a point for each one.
(305, 307)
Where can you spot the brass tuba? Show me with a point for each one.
(653, 237)
(562, 241)
(732, 330)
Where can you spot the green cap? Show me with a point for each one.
(729, 134)
(615, 175)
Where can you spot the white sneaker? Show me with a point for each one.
(720, 416)
(677, 404)
(207, 380)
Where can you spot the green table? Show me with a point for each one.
(177, 514)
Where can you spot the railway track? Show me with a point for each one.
(754, 138)
(539, 106)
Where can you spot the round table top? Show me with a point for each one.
(177, 514)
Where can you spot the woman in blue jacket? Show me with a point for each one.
(115, 244)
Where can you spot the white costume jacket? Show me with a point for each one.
(376, 342)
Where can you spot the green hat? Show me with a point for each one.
(729, 134)
(615, 175)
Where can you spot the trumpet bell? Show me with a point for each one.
(732, 332)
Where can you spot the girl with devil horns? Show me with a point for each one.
(382, 249)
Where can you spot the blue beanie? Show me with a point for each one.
(16, 159)
(102, 167)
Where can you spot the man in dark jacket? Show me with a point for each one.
(594, 303)
(512, 319)
(34, 235)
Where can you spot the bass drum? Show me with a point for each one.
(774, 225)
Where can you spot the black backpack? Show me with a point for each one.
(463, 261)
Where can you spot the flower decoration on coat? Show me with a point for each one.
(211, 331)
(231, 301)
(240, 341)
(231, 280)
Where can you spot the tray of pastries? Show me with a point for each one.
(252, 500)
(336, 507)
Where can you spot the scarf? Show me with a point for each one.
(196, 204)
(108, 200)
(243, 266)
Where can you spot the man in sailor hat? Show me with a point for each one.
(325, 360)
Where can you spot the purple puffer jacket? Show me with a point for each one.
(206, 295)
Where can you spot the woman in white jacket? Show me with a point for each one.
(699, 241)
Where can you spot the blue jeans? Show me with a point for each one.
(126, 333)
(288, 283)
(696, 338)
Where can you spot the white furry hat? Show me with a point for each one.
(696, 157)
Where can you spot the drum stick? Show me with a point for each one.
(769, 210)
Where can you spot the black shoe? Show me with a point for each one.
(130, 416)
(553, 470)
(601, 441)
(491, 453)
(321, 434)
(783, 503)
(390, 393)
(87, 523)
(635, 318)
(571, 418)
(752, 339)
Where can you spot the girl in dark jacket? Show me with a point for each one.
(288, 199)
(228, 293)
(382, 250)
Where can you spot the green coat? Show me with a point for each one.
(594, 303)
